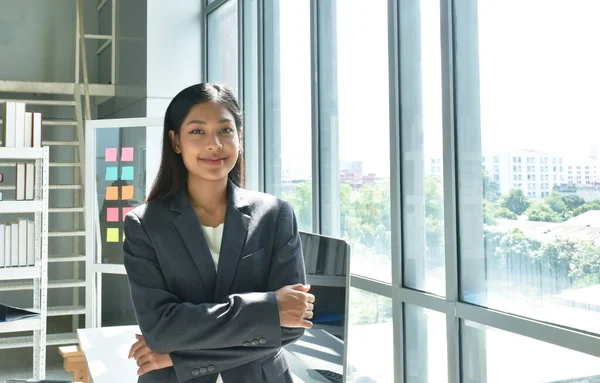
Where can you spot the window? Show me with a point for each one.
(529, 360)
(363, 180)
(222, 57)
(542, 278)
(287, 113)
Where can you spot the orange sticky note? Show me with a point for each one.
(127, 192)
(112, 193)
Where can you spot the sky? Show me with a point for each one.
(539, 79)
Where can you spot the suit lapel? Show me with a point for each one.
(234, 238)
(188, 226)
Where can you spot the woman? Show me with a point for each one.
(216, 271)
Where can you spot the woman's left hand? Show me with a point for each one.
(146, 359)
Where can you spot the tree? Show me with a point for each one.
(541, 212)
(491, 190)
(516, 201)
(301, 201)
(592, 205)
(433, 198)
(572, 201)
(556, 202)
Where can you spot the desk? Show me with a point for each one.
(106, 351)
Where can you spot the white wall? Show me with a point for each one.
(37, 40)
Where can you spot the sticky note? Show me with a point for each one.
(110, 154)
(112, 214)
(127, 192)
(125, 211)
(126, 154)
(112, 234)
(123, 236)
(111, 173)
(127, 173)
(112, 193)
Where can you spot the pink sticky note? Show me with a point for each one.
(112, 214)
(110, 154)
(126, 154)
(125, 211)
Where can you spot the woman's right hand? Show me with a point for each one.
(295, 306)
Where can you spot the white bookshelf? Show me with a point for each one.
(35, 276)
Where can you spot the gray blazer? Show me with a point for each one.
(214, 322)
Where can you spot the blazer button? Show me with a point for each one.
(263, 341)
(195, 372)
(211, 368)
(246, 343)
(255, 342)
(203, 370)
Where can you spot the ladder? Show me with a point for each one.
(65, 137)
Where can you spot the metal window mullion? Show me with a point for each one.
(260, 14)
(240, 49)
(315, 126)
(396, 190)
(450, 192)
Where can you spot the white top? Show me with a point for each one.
(213, 236)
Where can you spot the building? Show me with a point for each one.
(583, 172)
(532, 171)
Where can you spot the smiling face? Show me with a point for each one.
(208, 142)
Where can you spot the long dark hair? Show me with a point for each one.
(172, 174)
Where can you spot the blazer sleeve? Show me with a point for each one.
(168, 324)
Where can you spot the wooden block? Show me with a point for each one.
(74, 362)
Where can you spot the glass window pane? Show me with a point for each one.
(509, 357)
(222, 37)
(425, 345)
(121, 184)
(421, 112)
(250, 99)
(288, 118)
(363, 135)
(370, 349)
(529, 229)
(117, 308)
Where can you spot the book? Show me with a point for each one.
(2, 242)
(9, 123)
(28, 139)
(29, 181)
(7, 244)
(36, 135)
(30, 243)
(12, 313)
(19, 125)
(20, 182)
(14, 244)
(22, 242)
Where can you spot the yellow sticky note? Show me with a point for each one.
(112, 234)
(123, 236)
